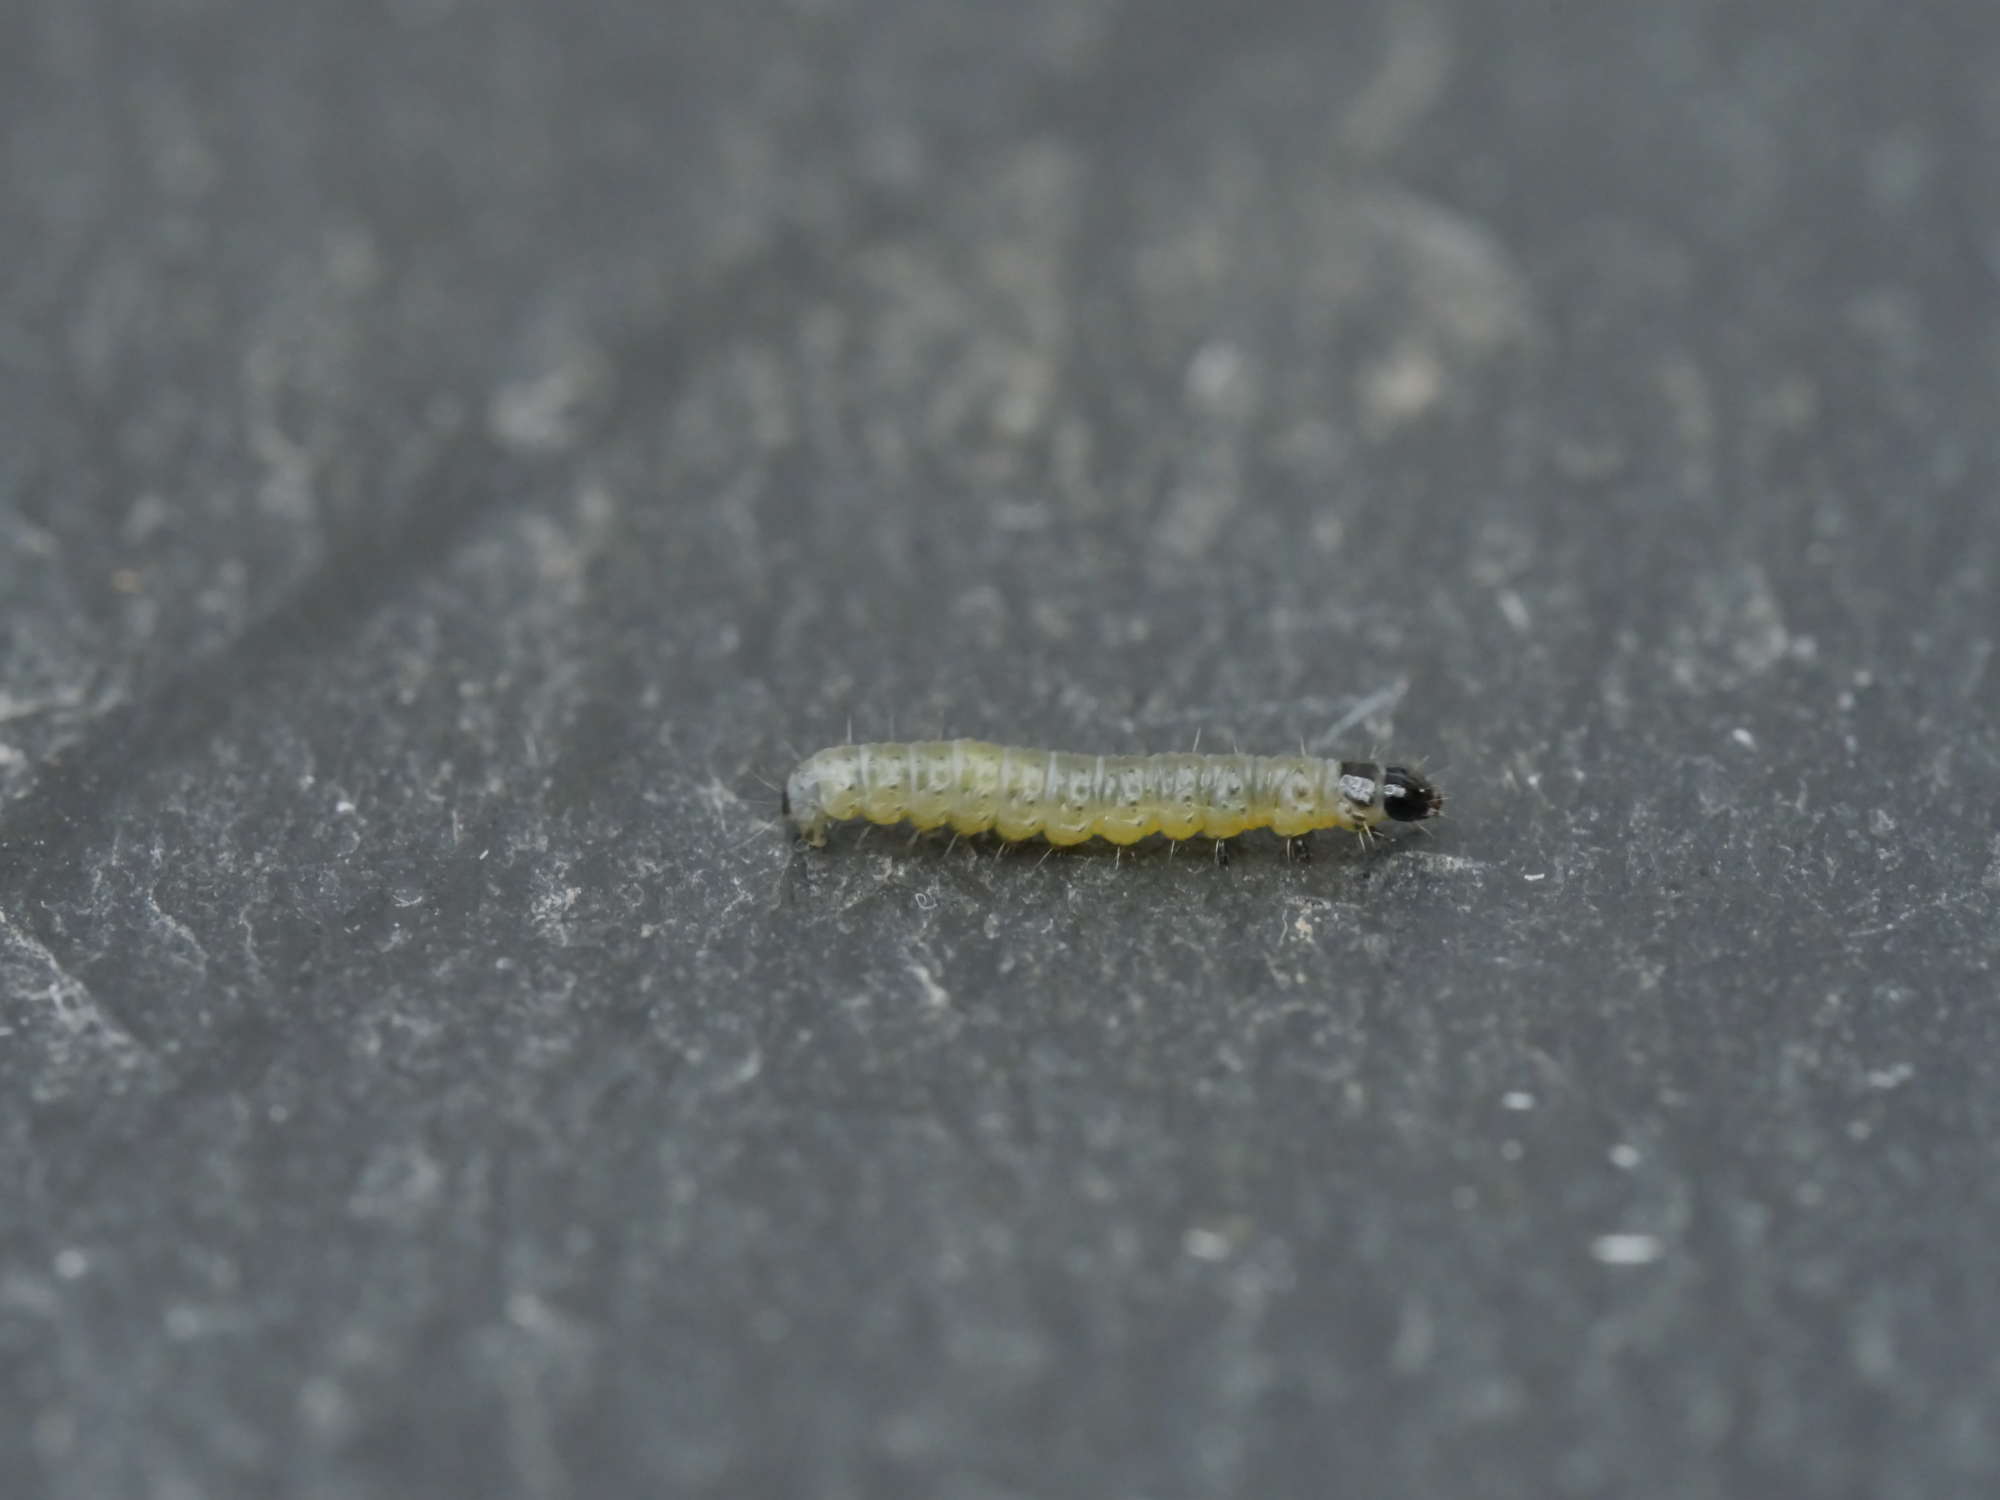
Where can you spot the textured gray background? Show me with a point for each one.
(453, 450)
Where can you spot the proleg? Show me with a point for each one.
(974, 787)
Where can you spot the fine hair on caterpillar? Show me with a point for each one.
(975, 787)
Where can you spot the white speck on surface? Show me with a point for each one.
(1624, 1157)
(1194, 517)
(1206, 1244)
(71, 1263)
(934, 992)
(1218, 379)
(1402, 386)
(1538, 875)
(1894, 1076)
(1021, 515)
(1627, 1249)
(539, 414)
(1515, 610)
(1744, 738)
(324, 1405)
(1517, 1099)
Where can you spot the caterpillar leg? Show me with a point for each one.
(1300, 848)
(1222, 854)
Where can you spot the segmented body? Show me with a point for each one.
(973, 787)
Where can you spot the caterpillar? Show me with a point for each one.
(973, 786)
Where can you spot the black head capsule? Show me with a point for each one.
(1408, 797)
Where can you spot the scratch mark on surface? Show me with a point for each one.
(1456, 864)
(62, 701)
(1379, 701)
(70, 999)
(197, 955)
(1406, 86)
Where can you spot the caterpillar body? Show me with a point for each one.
(973, 787)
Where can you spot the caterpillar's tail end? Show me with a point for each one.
(800, 803)
(1408, 797)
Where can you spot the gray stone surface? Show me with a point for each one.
(454, 454)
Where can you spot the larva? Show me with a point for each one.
(973, 786)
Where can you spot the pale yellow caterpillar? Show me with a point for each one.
(1019, 794)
